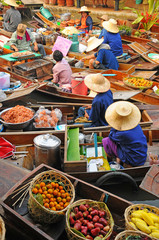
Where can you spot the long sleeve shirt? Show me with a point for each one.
(131, 145)
(22, 44)
(99, 106)
(89, 23)
(107, 58)
(62, 73)
(114, 41)
(12, 18)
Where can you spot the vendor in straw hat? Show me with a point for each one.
(103, 58)
(112, 37)
(23, 39)
(12, 16)
(102, 19)
(86, 22)
(126, 140)
(101, 86)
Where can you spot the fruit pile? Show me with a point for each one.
(51, 195)
(145, 221)
(89, 222)
(138, 82)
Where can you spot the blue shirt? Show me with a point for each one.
(107, 58)
(114, 41)
(99, 106)
(131, 145)
(102, 33)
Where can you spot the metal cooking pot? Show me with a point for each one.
(16, 126)
(47, 150)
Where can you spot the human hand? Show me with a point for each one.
(16, 49)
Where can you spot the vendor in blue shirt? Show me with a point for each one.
(126, 141)
(102, 19)
(112, 37)
(103, 58)
(104, 97)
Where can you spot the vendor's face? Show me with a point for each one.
(84, 14)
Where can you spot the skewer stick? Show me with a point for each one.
(23, 197)
(20, 197)
(22, 186)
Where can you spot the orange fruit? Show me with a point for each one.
(62, 191)
(64, 200)
(59, 194)
(58, 207)
(44, 188)
(37, 186)
(47, 200)
(60, 187)
(51, 204)
(46, 205)
(66, 204)
(35, 190)
(48, 195)
(40, 191)
(50, 191)
(55, 192)
(68, 199)
(56, 185)
(63, 195)
(45, 192)
(58, 199)
(51, 199)
(53, 209)
(49, 186)
(61, 204)
(42, 184)
(55, 203)
(44, 200)
(53, 184)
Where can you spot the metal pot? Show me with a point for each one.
(47, 150)
(16, 126)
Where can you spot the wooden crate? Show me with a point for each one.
(73, 166)
(126, 68)
(27, 229)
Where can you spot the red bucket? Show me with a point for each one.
(78, 86)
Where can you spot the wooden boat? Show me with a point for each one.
(116, 81)
(15, 215)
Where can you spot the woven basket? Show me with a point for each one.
(123, 235)
(71, 234)
(132, 208)
(38, 211)
(2, 229)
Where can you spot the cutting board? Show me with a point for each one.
(144, 74)
(125, 95)
(145, 66)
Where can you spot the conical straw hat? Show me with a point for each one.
(93, 43)
(111, 26)
(104, 18)
(97, 82)
(84, 9)
(11, 3)
(123, 115)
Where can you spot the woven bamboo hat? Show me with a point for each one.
(97, 82)
(11, 3)
(123, 115)
(93, 43)
(84, 9)
(104, 18)
(21, 29)
(111, 26)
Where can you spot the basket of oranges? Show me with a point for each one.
(137, 83)
(50, 195)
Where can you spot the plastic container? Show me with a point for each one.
(46, 13)
(79, 87)
(4, 80)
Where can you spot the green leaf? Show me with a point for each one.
(138, 20)
(39, 198)
(77, 232)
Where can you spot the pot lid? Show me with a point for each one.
(47, 141)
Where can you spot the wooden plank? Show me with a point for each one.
(144, 74)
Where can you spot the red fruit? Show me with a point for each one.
(103, 221)
(85, 222)
(77, 226)
(82, 208)
(76, 210)
(89, 217)
(84, 230)
(103, 232)
(90, 225)
(99, 225)
(81, 219)
(89, 237)
(94, 212)
(90, 209)
(72, 221)
(102, 213)
(85, 214)
(95, 218)
(79, 215)
(106, 228)
(95, 232)
(86, 205)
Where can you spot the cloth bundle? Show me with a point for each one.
(6, 148)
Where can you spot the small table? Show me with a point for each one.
(10, 60)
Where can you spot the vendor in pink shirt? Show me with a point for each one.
(62, 72)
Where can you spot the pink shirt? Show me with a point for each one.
(62, 73)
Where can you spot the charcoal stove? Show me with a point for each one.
(39, 68)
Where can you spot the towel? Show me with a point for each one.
(27, 37)
(6, 148)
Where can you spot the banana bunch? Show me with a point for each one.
(146, 222)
